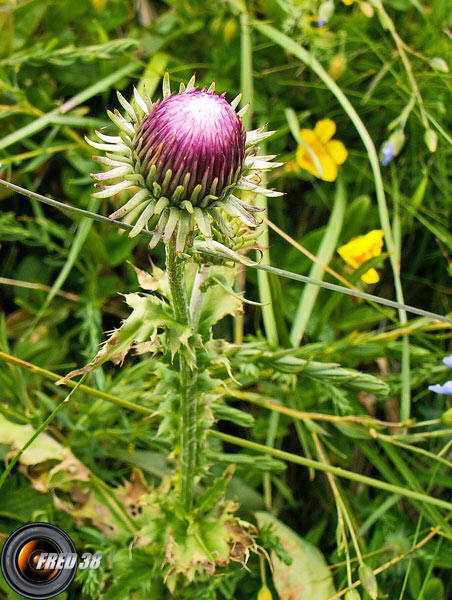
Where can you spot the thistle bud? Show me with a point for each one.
(188, 154)
(192, 145)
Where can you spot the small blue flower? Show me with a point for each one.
(445, 389)
(321, 22)
(387, 153)
(447, 360)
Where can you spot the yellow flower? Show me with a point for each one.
(348, 2)
(264, 593)
(360, 249)
(330, 153)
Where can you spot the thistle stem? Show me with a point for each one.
(197, 294)
(188, 375)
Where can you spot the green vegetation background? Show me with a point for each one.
(52, 51)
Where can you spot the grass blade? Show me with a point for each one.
(325, 253)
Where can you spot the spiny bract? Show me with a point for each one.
(184, 156)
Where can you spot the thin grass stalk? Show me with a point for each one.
(339, 472)
(263, 283)
(246, 81)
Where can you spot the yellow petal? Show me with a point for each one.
(305, 161)
(376, 237)
(348, 254)
(329, 168)
(310, 138)
(360, 249)
(304, 158)
(348, 2)
(324, 130)
(371, 276)
(337, 151)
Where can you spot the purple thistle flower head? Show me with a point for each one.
(445, 389)
(387, 153)
(197, 136)
(188, 154)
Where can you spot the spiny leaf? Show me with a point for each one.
(139, 331)
(217, 304)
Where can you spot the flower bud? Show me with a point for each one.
(392, 147)
(367, 9)
(431, 140)
(368, 580)
(264, 594)
(187, 154)
(337, 65)
(326, 11)
(446, 418)
(439, 64)
(191, 145)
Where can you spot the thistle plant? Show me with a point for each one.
(186, 158)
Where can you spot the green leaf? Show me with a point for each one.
(352, 595)
(213, 494)
(217, 302)
(27, 17)
(234, 415)
(257, 463)
(22, 503)
(308, 576)
(434, 590)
